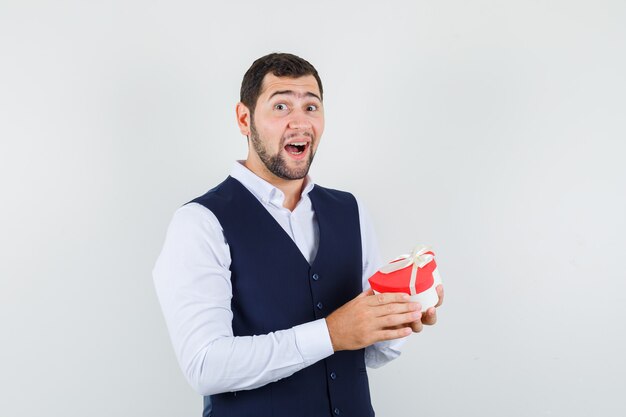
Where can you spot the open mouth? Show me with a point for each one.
(296, 148)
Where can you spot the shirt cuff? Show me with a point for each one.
(313, 341)
(383, 352)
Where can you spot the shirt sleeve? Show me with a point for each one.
(192, 282)
(383, 352)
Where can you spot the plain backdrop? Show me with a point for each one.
(492, 130)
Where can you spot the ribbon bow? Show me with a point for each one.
(418, 258)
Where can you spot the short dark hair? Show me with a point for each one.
(279, 64)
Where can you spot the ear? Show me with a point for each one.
(243, 118)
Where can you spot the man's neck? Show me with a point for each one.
(292, 189)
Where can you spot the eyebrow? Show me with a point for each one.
(293, 93)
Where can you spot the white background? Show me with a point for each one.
(492, 130)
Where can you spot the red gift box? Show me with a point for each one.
(415, 274)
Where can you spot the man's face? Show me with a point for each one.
(287, 124)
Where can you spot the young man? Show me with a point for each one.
(262, 279)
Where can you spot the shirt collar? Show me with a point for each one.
(263, 190)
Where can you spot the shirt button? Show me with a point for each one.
(316, 277)
(333, 375)
(320, 305)
(336, 411)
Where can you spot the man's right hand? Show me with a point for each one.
(370, 318)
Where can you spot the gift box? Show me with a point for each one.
(415, 274)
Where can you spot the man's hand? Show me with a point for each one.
(370, 318)
(429, 317)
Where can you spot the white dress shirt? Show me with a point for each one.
(192, 280)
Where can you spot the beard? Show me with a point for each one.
(276, 163)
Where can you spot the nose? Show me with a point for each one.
(300, 121)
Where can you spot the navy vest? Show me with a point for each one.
(275, 288)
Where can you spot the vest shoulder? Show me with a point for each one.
(333, 195)
(219, 194)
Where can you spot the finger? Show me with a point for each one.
(430, 317)
(395, 308)
(440, 294)
(366, 293)
(388, 297)
(394, 320)
(389, 334)
(417, 326)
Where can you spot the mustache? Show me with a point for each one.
(298, 134)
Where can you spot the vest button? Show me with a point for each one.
(320, 305)
(316, 277)
(336, 411)
(333, 375)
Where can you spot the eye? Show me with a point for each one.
(280, 106)
(311, 107)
